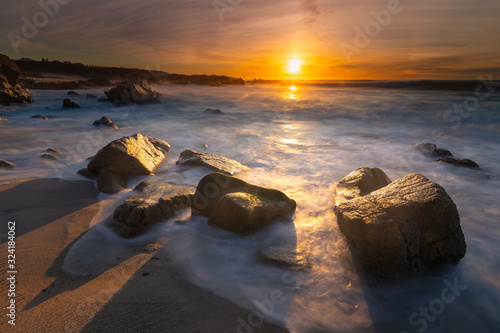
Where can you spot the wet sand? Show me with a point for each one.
(140, 291)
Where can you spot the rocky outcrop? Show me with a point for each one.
(156, 201)
(430, 149)
(7, 165)
(10, 91)
(132, 93)
(213, 162)
(460, 163)
(237, 206)
(131, 155)
(43, 117)
(396, 228)
(105, 121)
(69, 104)
(284, 256)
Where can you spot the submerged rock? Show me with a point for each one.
(284, 256)
(69, 104)
(53, 151)
(213, 162)
(430, 149)
(7, 165)
(131, 155)
(394, 227)
(156, 201)
(10, 91)
(237, 206)
(459, 163)
(90, 96)
(73, 93)
(127, 93)
(105, 121)
(111, 183)
(44, 117)
(50, 157)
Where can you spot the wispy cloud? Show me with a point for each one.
(187, 35)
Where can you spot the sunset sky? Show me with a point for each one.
(431, 39)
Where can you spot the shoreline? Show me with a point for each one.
(140, 290)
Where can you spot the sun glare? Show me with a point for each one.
(294, 65)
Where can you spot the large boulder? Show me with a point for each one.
(131, 155)
(111, 183)
(132, 93)
(213, 162)
(10, 91)
(237, 206)
(157, 200)
(396, 228)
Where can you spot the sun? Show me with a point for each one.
(294, 65)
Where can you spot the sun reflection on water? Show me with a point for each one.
(292, 93)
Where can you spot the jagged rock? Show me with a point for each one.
(69, 104)
(73, 93)
(105, 121)
(213, 162)
(44, 117)
(284, 256)
(213, 111)
(132, 93)
(459, 163)
(90, 96)
(87, 173)
(131, 155)
(430, 149)
(237, 206)
(395, 228)
(3, 120)
(49, 157)
(7, 165)
(111, 183)
(156, 201)
(10, 91)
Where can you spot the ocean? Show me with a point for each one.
(300, 139)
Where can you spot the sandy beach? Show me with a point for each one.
(142, 291)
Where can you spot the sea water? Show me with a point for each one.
(300, 139)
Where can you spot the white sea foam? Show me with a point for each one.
(302, 147)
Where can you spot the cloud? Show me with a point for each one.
(189, 35)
